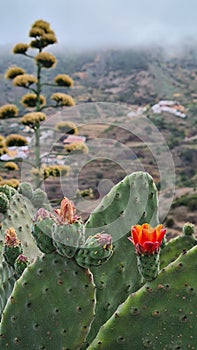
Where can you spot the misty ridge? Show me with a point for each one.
(134, 75)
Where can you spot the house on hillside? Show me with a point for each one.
(16, 152)
(74, 139)
(172, 107)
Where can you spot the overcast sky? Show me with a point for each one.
(101, 23)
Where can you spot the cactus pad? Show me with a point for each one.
(41, 231)
(160, 315)
(51, 306)
(68, 238)
(134, 200)
(19, 215)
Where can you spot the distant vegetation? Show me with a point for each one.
(133, 77)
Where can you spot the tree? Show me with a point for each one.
(34, 101)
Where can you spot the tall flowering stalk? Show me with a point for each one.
(147, 241)
(41, 36)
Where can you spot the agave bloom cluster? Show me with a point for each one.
(147, 239)
(62, 99)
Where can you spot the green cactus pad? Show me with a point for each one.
(135, 198)
(174, 248)
(68, 238)
(91, 254)
(26, 190)
(51, 307)
(41, 231)
(4, 203)
(132, 201)
(161, 315)
(39, 198)
(11, 253)
(7, 190)
(20, 215)
(7, 280)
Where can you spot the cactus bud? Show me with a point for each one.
(12, 246)
(96, 250)
(20, 264)
(188, 229)
(66, 213)
(41, 230)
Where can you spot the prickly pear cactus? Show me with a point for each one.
(175, 247)
(26, 190)
(51, 306)
(19, 214)
(86, 291)
(96, 251)
(11, 249)
(7, 280)
(68, 238)
(42, 232)
(160, 315)
(134, 200)
(8, 191)
(4, 203)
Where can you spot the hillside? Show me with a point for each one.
(133, 79)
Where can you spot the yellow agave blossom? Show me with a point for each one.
(62, 99)
(76, 147)
(67, 128)
(55, 170)
(36, 32)
(15, 140)
(24, 80)
(13, 72)
(41, 24)
(30, 100)
(8, 111)
(63, 80)
(46, 59)
(20, 48)
(33, 119)
(11, 166)
(11, 182)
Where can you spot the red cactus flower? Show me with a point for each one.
(66, 213)
(147, 239)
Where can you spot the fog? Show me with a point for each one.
(102, 23)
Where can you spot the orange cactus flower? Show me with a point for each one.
(66, 213)
(147, 239)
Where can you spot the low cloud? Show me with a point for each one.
(102, 23)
